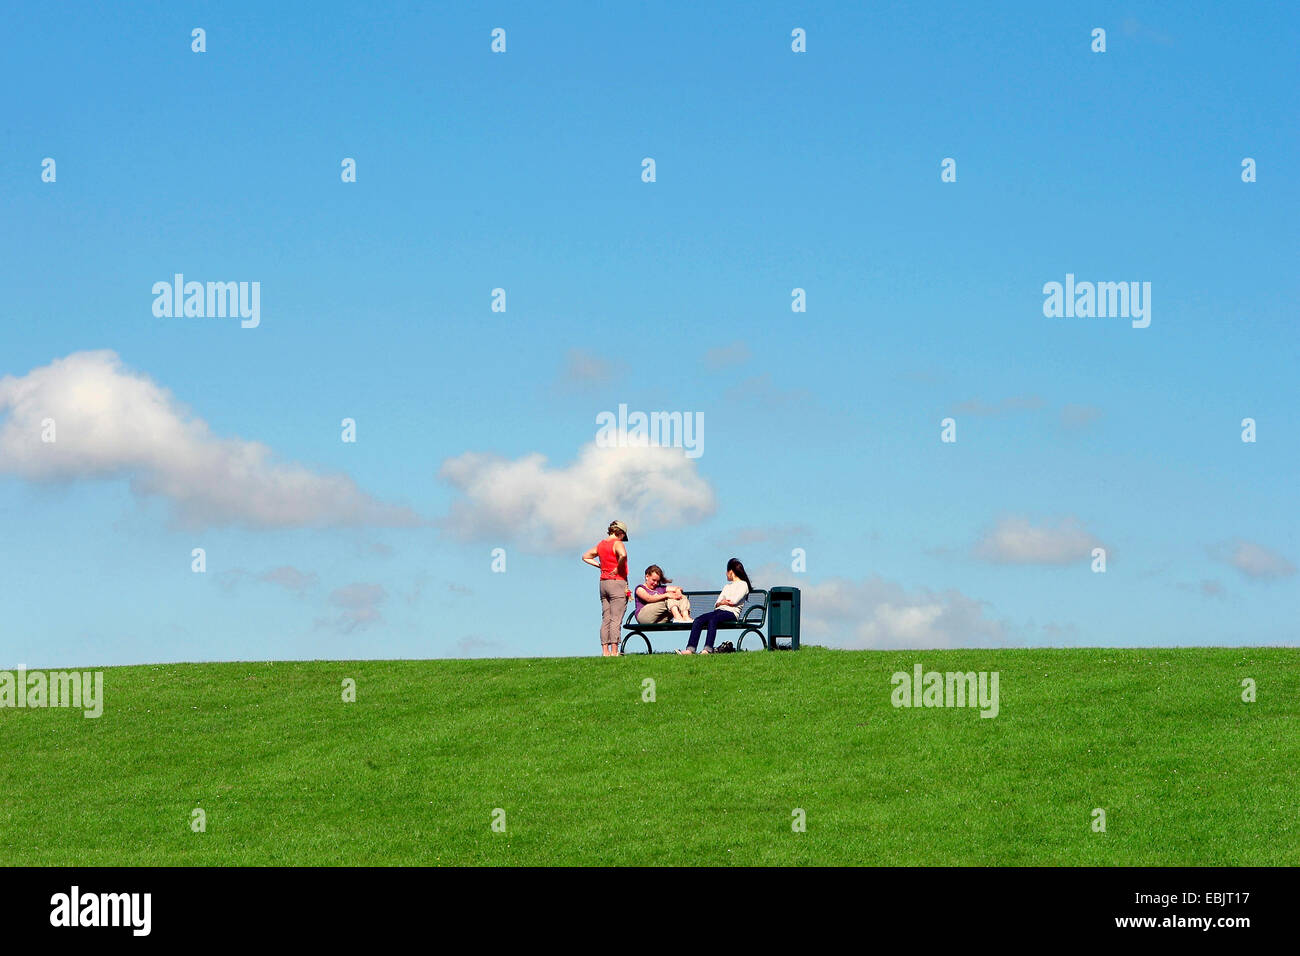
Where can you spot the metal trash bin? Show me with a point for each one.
(783, 617)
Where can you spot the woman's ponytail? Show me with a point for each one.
(738, 569)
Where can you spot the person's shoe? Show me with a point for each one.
(685, 650)
(707, 650)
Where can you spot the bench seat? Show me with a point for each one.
(753, 616)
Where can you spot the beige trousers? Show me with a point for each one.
(656, 613)
(660, 612)
(613, 602)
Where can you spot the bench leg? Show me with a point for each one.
(623, 647)
(757, 633)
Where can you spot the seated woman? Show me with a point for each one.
(726, 610)
(656, 603)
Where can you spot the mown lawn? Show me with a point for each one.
(711, 772)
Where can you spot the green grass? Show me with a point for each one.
(709, 773)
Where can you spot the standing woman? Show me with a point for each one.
(610, 555)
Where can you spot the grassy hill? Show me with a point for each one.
(709, 773)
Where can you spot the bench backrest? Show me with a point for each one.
(754, 612)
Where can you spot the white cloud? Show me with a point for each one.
(290, 578)
(879, 613)
(763, 389)
(583, 368)
(1207, 587)
(1016, 541)
(542, 508)
(1077, 417)
(474, 645)
(728, 356)
(1133, 28)
(359, 606)
(286, 576)
(1255, 560)
(114, 423)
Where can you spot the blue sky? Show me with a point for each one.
(523, 171)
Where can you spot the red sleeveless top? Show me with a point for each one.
(609, 569)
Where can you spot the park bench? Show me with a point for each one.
(752, 618)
